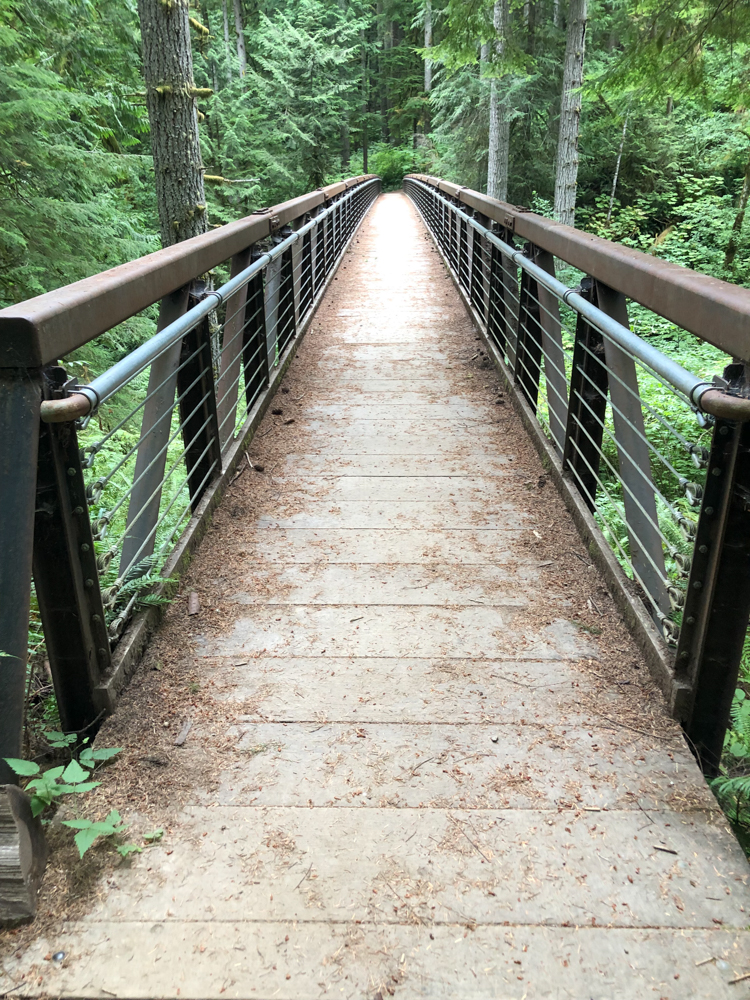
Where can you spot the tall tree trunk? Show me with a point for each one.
(617, 168)
(227, 49)
(428, 45)
(365, 100)
(384, 38)
(570, 115)
(241, 54)
(346, 151)
(173, 116)
(499, 137)
(739, 218)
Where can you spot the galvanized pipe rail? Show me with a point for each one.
(99, 543)
(580, 392)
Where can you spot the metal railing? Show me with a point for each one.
(114, 470)
(653, 457)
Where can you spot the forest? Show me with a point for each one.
(297, 93)
(627, 118)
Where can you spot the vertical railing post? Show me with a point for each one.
(528, 361)
(479, 276)
(587, 406)
(254, 352)
(20, 397)
(464, 254)
(717, 603)
(65, 572)
(198, 412)
(554, 355)
(272, 293)
(151, 460)
(639, 496)
(227, 385)
(288, 297)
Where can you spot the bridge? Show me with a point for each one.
(458, 582)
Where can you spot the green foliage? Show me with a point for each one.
(45, 787)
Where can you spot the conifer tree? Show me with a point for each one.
(566, 177)
(171, 100)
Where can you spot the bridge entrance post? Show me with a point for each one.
(66, 574)
(717, 603)
(587, 407)
(20, 396)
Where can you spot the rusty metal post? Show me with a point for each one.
(66, 576)
(143, 509)
(20, 396)
(463, 271)
(639, 497)
(306, 275)
(528, 362)
(227, 385)
(198, 415)
(717, 603)
(287, 300)
(272, 291)
(554, 355)
(587, 408)
(254, 353)
(477, 294)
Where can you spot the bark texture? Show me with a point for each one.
(173, 116)
(241, 53)
(428, 44)
(227, 49)
(499, 138)
(566, 176)
(365, 98)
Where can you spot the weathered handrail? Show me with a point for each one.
(85, 399)
(611, 416)
(715, 310)
(46, 328)
(703, 395)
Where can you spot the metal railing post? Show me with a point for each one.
(227, 385)
(254, 353)
(477, 293)
(288, 298)
(143, 508)
(587, 407)
(66, 576)
(464, 254)
(272, 292)
(198, 413)
(639, 496)
(20, 396)
(554, 355)
(717, 603)
(528, 361)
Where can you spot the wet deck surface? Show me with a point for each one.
(445, 773)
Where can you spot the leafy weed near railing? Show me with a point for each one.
(74, 779)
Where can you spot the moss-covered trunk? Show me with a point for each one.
(173, 115)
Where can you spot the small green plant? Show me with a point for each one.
(75, 779)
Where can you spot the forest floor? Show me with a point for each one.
(426, 759)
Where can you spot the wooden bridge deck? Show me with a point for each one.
(433, 765)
